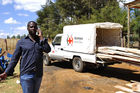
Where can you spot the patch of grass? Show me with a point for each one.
(9, 85)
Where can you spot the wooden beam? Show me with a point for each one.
(136, 2)
(128, 32)
(125, 54)
(117, 57)
(124, 88)
(134, 5)
(128, 50)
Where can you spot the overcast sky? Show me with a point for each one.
(14, 15)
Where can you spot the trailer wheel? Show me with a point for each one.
(46, 59)
(78, 64)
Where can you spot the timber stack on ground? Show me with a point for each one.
(120, 54)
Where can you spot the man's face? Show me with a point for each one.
(32, 28)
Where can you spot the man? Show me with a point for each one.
(30, 52)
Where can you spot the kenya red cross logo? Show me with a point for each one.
(70, 40)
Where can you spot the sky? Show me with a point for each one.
(15, 14)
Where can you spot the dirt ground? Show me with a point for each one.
(61, 78)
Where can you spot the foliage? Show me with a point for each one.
(17, 37)
(53, 16)
(135, 24)
(13, 37)
(49, 20)
(113, 13)
(8, 37)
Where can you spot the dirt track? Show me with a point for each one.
(61, 78)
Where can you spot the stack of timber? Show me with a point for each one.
(128, 55)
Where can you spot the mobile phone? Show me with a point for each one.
(37, 31)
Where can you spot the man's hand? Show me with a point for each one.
(40, 34)
(3, 76)
(2, 53)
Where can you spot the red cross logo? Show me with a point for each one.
(70, 40)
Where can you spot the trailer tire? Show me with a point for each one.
(46, 59)
(78, 64)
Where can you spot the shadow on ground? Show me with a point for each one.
(116, 72)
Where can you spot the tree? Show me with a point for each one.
(113, 13)
(49, 19)
(13, 37)
(135, 24)
(8, 37)
(53, 16)
(23, 36)
(18, 36)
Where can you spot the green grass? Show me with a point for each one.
(9, 85)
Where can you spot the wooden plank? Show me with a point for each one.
(134, 81)
(128, 50)
(121, 58)
(127, 55)
(128, 29)
(120, 92)
(103, 56)
(113, 52)
(129, 85)
(124, 88)
(135, 86)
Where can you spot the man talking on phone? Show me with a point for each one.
(30, 52)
